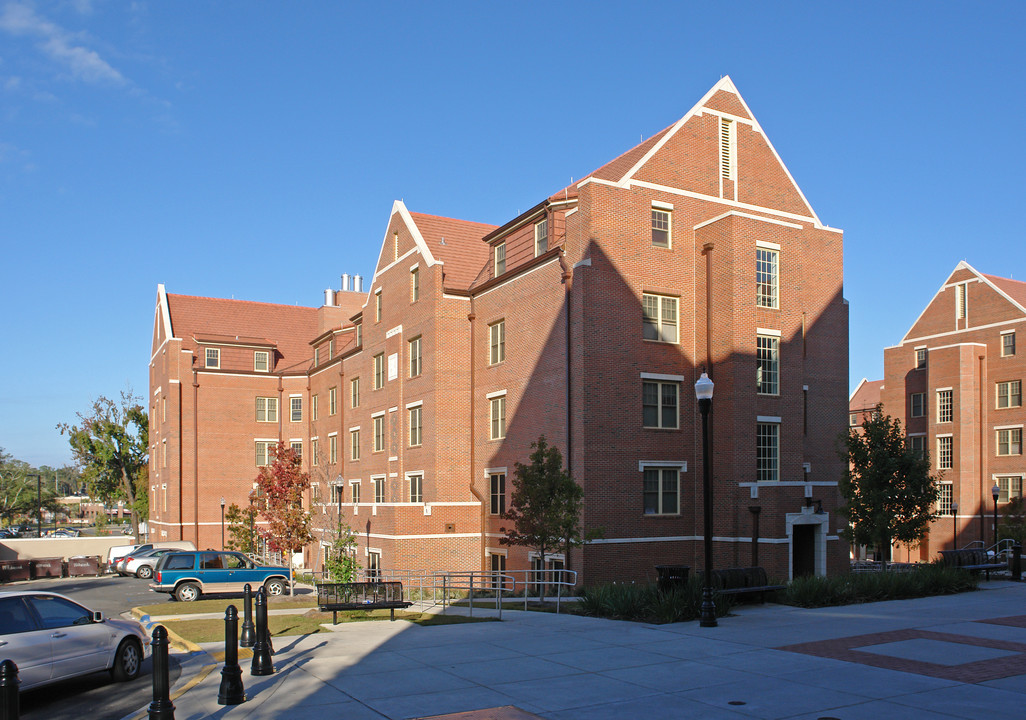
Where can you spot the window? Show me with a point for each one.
(331, 348)
(659, 404)
(296, 409)
(416, 488)
(261, 361)
(414, 284)
(497, 342)
(415, 364)
(1008, 344)
(497, 565)
(213, 358)
(379, 371)
(1009, 441)
(497, 493)
(377, 306)
(659, 318)
(767, 452)
(354, 492)
(660, 228)
(1009, 394)
(917, 401)
(497, 416)
(333, 449)
(853, 419)
(728, 149)
(313, 407)
(961, 301)
(265, 452)
(359, 335)
(379, 489)
(768, 370)
(379, 433)
(1011, 487)
(354, 392)
(944, 411)
(297, 448)
(373, 565)
(314, 460)
(267, 409)
(660, 491)
(317, 356)
(416, 426)
(767, 278)
(354, 444)
(332, 401)
(541, 237)
(917, 444)
(337, 494)
(500, 259)
(945, 452)
(920, 358)
(944, 499)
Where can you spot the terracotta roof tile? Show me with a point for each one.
(867, 395)
(1015, 289)
(463, 253)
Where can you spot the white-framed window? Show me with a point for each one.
(1008, 344)
(945, 452)
(660, 228)
(497, 566)
(500, 259)
(497, 342)
(377, 306)
(414, 284)
(917, 444)
(944, 498)
(944, 406)
(354, 444)
(961, 301)
(359, 335)
(373, 565)
(337, 493)
(297, 448)
(333, 449)
(659, 318)
(853, 419)
(416, 426)
(379, 489)
(379, 433)
(314, 448)
(261, 361)
(313, 407)
(267, 409)
(497, 493)
(728, 149)
(415, 357)
(212, 358)
(917, 403)
(541, 237)
(354, 492)
(332, 400)
(331, 348)
(497, 417)
(265, 451)
(767, 277)
(661, 491)
(659, 404)
(416, 482)
(921, 358)
(354, 392)
(767, 452)
(768, 368)
(1009, 394)
(296, 409)
(317, 356)
(379, 371)
(1011, 487)
(1009, 441)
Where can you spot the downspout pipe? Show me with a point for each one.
(195, 455)
(482, 502)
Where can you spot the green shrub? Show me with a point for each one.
(923, 581)
(645, 603)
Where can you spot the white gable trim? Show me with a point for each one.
(400, 207)
(162, 306)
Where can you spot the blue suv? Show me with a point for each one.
(188, 575)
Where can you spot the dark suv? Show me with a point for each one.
(187, 575)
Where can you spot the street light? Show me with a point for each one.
(995, 491)
(222, 523)
(954, 525)
(704, 393)
(39, 504)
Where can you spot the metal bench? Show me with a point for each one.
(360, 596)
(972, 560)
(743, 581)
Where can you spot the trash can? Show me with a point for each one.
(672, 576)
(83, 565)
(11, 570)
(47, 568)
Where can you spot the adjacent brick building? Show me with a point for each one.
(588, 318)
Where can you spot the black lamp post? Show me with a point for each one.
(995, 491)
(222, 523)
(39, 504)
(704, 393)
(954, 525)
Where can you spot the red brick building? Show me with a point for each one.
(588, 318)
(955, 382)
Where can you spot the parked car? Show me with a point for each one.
(119, 551)
(51, 637)
(141, 564)
(188, 575)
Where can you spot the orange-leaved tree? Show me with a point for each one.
(282, 484)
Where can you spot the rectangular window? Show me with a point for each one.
(660, 491)
(354, 444)
(296, 409)
(1009, 441)
(359, 335)
(317, 356)
(1011, 488)
(331, 348)
(267, 409)
(265, 452)
(414, 284)
(1009, 394)
(377, 306)
(337, 494)
(920, 358)
(379, 371)
(917, 444)
(332, 401)
(354, 392)
(853, 419)
(497, 565)
(379, 433)
(497, 493)
(944, 406)
(497, 342)
(500, 259)
(213, 358)
(961, 301)
(659, 318)
(261, 361)
(945, 452)
(354, 492)
(297, 448)
(767, 278)
(416, 488)
(333, 449)
(944, 498)
(416, 426)
(917, 401)
(659, 404)
(1008, 344)
(373, 565)
(728, 149)
(314, 446)
(415, 357)
(313, 407)
(768, 370)
(660, 228)
(379, 489)
(541, 237)
(767, 452)
(497, 417)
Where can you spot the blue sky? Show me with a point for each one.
(253, 149)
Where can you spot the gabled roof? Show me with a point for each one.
(866, 395)
(1014, 290)
(457, 244)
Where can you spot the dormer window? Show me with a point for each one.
(212, 358)
(541, 237)
(500, 259)
(261, 361)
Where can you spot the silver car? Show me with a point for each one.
(51, 637)
(141, 564)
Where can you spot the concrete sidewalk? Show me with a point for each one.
(959, 656)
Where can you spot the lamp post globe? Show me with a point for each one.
(954, 526)
(222, 523)
(996, 492)
(704, 394)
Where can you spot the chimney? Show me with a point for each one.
(358, 282)
(346, 282)
(329, 297)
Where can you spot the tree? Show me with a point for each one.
(282, 484)
(241, 522)
(341, 562)
(21, 494)
(1013, 521)
(545, 505)
(888, 489)
(110, 447)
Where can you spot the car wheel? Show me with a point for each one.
(187, 592)
(127, 661)
(145, 572)
(274, 586)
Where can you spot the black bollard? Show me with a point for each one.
(262, 663)
(247, 639)
(9, 708)
(232, 691)
(1016, 562)
(161, 708)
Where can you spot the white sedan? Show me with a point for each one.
(51, 637)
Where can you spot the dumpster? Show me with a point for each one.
(83, 565)
(47, 567)
(671, 577)
(11, 570)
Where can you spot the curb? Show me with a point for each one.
(176, 640)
